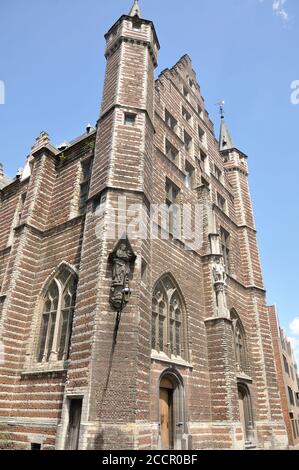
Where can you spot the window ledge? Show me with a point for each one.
(49, 368)
(162, 357)
(244, 377)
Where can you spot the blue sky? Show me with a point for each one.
(244, 51)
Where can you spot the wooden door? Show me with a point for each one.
(166, 413)
(165, 417)
(73, 433)
(242, 412)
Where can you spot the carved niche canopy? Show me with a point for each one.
(122, 260)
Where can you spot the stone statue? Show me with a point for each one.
(121, 259)
(219, 271)
(220, 277)
(121, 266)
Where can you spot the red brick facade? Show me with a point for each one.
(287, 377)
(224, 383)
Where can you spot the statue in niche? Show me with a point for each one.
(122, 259)
(219, 271)
(121, 266)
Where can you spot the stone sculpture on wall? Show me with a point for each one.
(219, 278)
(122, 259)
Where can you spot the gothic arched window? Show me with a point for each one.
(239, 343)
(57, 317)
(168, 333)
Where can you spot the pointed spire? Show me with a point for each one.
(225, 140)
(135, 10)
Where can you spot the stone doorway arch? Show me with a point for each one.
(172, 420)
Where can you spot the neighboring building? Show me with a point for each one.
(186, 361)
(4, 180)
(287, 377)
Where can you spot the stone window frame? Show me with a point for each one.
(172, 213)
(185, 92)
(189, 175)
(169, 326)
(170, 120)
(204, 162)
(186, 115)
(225, 240)
(130, 119)
(171, 152)
(221, 202)
(31, 363)
(286, 365)
(291, 396)
(188, 142)
(240, 340)
(202, 136)
(85, 180)
(218, 173)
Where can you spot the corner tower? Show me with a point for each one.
(115, 382)
(125, 128)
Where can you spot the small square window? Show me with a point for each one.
(221, 202)
(190, 173)
(185, 92)
(35, 446)
(201, 135)
(205, 167)
(217, 172)
(186, 114)
(172, 192)
(170, 120)
(136, 25)
(187, 141)
(130, 119)
(171, 152)
(200, 111)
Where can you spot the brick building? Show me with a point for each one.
(287, 377)
(135, 342)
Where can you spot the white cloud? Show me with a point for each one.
(294, 326)
(278, 6)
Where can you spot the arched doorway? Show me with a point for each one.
(171, 411)
(246, 414)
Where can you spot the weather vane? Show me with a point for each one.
(221, 108)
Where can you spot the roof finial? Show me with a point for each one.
(221, 108)
(135, 10)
